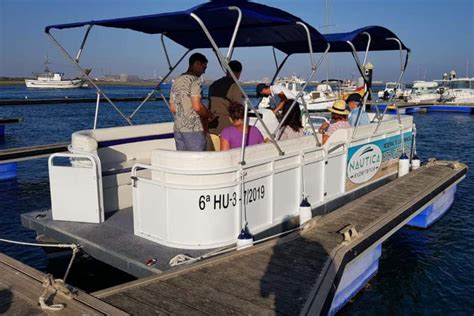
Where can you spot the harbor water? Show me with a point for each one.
(421, 272)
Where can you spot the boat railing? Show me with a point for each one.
(76, 189)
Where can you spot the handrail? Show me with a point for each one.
(95, 165)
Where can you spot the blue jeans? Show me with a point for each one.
(190, 141)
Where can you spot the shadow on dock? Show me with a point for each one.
(6, 299)
(292, 272)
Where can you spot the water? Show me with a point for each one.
(421, 271)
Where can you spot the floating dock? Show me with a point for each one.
(412, 107)
(312, 271)
(34, 152)
(9, 157)
(21, 286)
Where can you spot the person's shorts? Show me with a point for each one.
(190, 141)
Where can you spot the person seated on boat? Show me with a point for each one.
(278, 95)
(221, 93)
(354, 102)
(190, 114)
(339, 116)
(231, 137)
(292, 127)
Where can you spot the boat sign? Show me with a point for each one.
(364, 164)
(375, 160)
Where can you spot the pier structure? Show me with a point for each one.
(7, 170)
(315, 270)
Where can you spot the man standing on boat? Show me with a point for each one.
(190, 115)
(278, 95)
(353, 101)
(222, 93)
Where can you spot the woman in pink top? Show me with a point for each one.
(231, 137)
(339, 114)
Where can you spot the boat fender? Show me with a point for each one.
(305, 211)
(245, 239)
(403, 165)
(415, 162)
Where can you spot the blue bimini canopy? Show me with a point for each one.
(260, 26)
(379, 40)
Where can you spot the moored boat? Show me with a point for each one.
(424, 91)
(132, 180)
(53, 80)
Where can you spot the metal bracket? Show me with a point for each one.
(349, 232)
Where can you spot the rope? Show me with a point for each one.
(180, 259)
(49, 283)
(72, 246)
(185, 259)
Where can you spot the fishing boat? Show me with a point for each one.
(53, 80)
(132, 188)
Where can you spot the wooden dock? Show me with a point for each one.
(296, 274)
(21, 286)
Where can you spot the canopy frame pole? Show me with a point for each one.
(314, 68)
(96, 115)
(403, 67)
(247, 100)
(86, 75)
(400, 78)
(165, 50)
(278, 67)
(275, 58)
(300, 94)
(368, 46)
(367, 91)
(357, 60)
(86, 35)
(230, 50)
(158, 86)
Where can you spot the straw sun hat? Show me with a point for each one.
(339, 107)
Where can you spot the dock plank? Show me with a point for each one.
(21, 287)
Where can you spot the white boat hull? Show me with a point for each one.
(320, 105)
(63, 84)
(193, 200)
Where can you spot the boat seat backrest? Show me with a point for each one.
(122, 144)
(208, 160)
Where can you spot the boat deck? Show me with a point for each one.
(298, 273)
(112, 241)
(21, 287)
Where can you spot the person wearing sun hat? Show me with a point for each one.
(339, 115)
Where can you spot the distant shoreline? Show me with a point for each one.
(117, 83)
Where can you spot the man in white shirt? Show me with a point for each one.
(278, 95)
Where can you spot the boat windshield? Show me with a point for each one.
(461, 84)
(391, 85)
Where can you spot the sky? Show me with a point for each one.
(440, 34)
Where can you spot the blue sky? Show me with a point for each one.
(439, 32)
